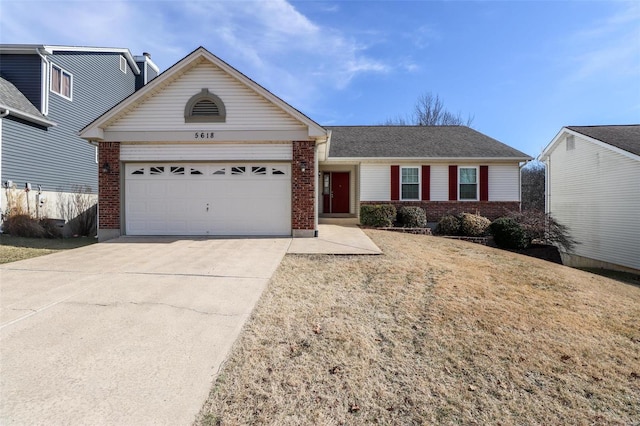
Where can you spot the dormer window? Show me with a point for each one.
(205, 107)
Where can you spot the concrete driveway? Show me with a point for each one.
(129, 332)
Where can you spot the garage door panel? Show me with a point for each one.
(167, 199)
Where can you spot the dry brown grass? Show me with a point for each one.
(13, 248)
(434, 332)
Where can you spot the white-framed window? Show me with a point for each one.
(468, 183)
(410, 183)
(61, 82)
(123, 64)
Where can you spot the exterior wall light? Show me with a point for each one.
(303, 166)
(106, 168)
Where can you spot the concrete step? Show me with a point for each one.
(346, 221)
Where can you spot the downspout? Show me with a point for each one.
(520, 167)
(45, 83)
(317, 181)
(3, 114)
(547, 185)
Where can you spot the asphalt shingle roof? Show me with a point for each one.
(625, 137)
(13, 98)
(416, 142)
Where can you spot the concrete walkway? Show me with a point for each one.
(335, 239)
(130, 332)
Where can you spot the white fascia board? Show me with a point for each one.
(28, 117)
(188, 136)
(552, 145)
(121, 50)
(316, 131)
(148, 61)
(21, 49)
(148, 89)
(93, 134)
(428, 159)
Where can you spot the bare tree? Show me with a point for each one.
(533, 186)
(429, 110)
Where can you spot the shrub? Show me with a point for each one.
(22, 225)
(448, 225)
(412, 217)
(50, 228)
(542, 227)
(508, 233)
(473, 225)
(378, 215)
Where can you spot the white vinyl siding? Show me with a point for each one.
(439, 182)
(375, 182)
(245, 109)
(504, 182)
(209, 152)
(596, 192)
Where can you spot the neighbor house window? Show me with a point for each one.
(468, 183)
(61, 81)
(571, 142)
(410, 183)
(123, 64)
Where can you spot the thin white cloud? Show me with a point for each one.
(422, 37)
(270, 41)
(609, 49)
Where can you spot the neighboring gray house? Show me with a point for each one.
(593, 187)
(47, 95)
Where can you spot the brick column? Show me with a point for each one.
(303, 189)
(108, 190)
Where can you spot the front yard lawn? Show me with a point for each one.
(434, 331)
(18, 248)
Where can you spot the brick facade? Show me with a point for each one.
(109, 185)
(303, 187)
(436, 209)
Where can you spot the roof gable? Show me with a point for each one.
(432, 142)
(159, 106)
(624, 139)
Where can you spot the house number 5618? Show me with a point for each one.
(203, 135)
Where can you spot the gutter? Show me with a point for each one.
(429, 159)
(26, 116)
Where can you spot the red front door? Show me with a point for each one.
(337, 201)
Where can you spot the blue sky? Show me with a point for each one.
(522, 69)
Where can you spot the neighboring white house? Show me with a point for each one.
(593, 187)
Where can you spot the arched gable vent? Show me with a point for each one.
(204, 107)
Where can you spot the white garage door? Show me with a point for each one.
(207, 199)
